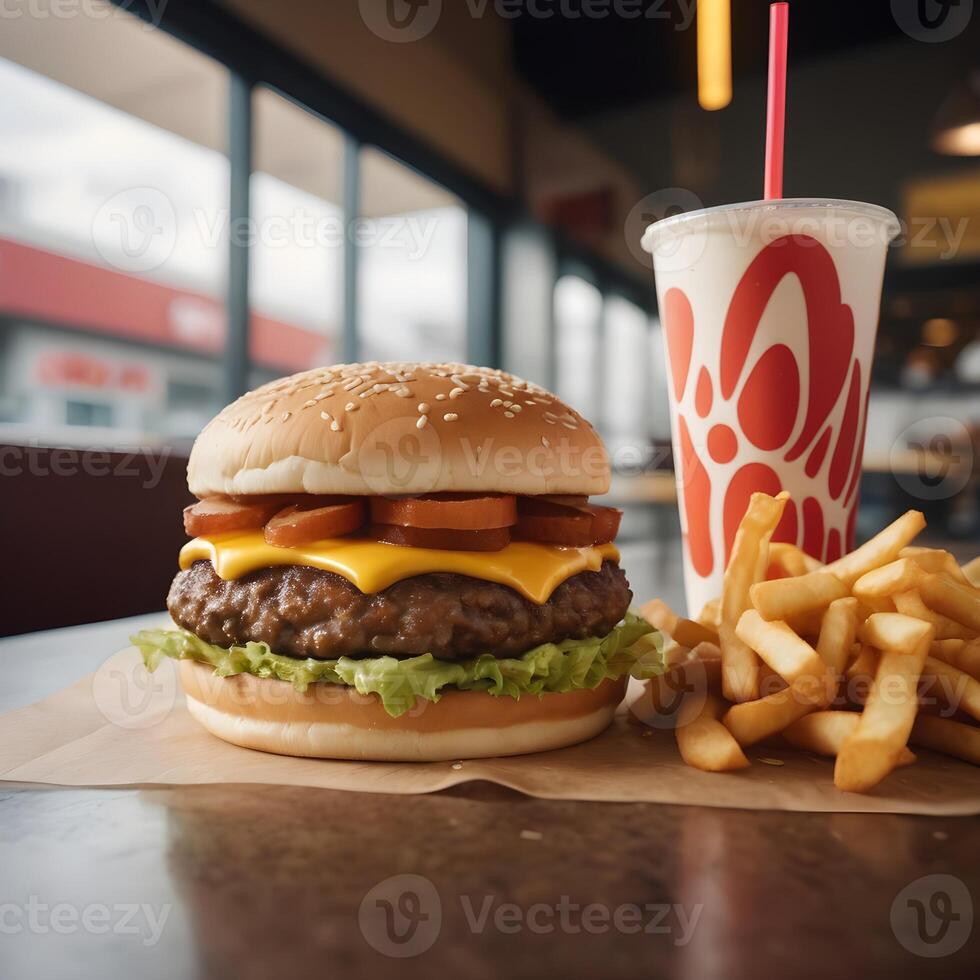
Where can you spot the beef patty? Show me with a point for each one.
(307, 612)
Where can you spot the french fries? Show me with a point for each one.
(704, 742)
(747, 565)
(824, 732)
(868, 755)
(936, 560)
(957, 688)
(952, 737)
(891, 630)
(961, 603)
(882, 583)
(786, 653)
(911, 604)
(752, 721)
(792, 560)
(881, 549)
(959, 654)
(783, 598)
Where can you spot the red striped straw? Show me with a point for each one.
(776, 109)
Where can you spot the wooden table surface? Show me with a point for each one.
(260, 882)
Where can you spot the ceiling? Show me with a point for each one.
(585, 65)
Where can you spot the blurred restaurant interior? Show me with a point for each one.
(198, 196)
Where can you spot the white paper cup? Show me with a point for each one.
(769, 313)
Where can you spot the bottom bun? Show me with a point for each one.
(330, 721)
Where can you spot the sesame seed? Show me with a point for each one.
(335, 425)
(310, 403)
(569, 425)
(285, 415)
(514, 407)
(440, 397)
(456, 392)
(350, 407)
(496, 403)
(403, 392)
(423, 419)
(450, 416)
(545, 443)
(352, 384)
(423, 407)
(325, 416)
(551, 421)
(509, 415)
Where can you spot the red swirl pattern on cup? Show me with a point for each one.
(779, 410)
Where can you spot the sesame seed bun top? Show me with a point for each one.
(398, 428)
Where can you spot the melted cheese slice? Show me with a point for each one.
(534, 570)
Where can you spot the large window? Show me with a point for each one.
(411, 240)
(578, 316)
(296, 237)
(626, 374)
(112, 244)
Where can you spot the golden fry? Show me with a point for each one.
(896, 633)
(793, 560)
(881, 549)
(785, 652)
(911, 604)
(880, 583)
(704, 742)
(747, 565)
(957, 688)
(824, 732)
(752, 721)
(783, 598)
(657, 613)
(710, 615)
(689, 633)
(870, 753)
(935, 560)
(960, 603)
(837, 633)
(960, 654)
(944, 735)
(971, 572)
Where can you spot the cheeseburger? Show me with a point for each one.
(400, 562)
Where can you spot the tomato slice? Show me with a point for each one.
(605, 524)
(321, 518)
(453, 511)
(444, 539)
(565, 499)
(571, 527)
(215, 515)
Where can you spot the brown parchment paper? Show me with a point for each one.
(123, 727)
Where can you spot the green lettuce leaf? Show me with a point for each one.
(633, 647)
